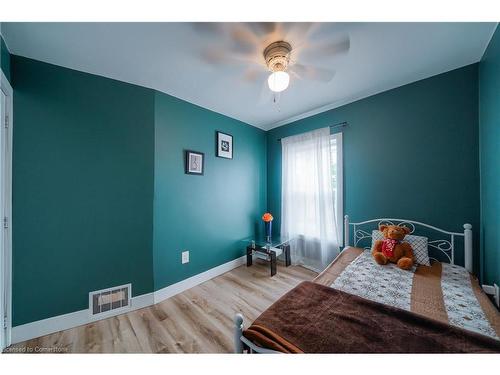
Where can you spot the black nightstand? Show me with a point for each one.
(269, 250)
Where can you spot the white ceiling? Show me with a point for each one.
(171, 57)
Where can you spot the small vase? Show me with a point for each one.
(268, 230)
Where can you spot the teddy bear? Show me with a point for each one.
(392, 248)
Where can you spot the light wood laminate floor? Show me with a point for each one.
(199, 320)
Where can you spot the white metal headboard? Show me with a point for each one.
(445, 246)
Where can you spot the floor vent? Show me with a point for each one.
(109, 300)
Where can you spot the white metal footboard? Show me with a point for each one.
(242, 344)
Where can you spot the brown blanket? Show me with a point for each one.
(313, 318)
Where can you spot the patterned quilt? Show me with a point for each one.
(443, 291)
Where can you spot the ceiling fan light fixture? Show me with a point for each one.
(278, 81)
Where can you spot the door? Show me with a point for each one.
(5, 210)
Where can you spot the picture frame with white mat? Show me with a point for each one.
(194, 162)
(224, 145)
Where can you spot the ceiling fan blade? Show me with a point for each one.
(293, 73)
(245, 41)
(255, 75)
(218, 56)
(298, 31)
(215, 57)
(321, 50)
(336, 48)
(312, 73)
(263, 28)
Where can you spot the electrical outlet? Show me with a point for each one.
(185, 257)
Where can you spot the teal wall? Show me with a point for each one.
(4, 59)
(101, 198)
(489, 140)
(82, 188)
(410, 152)
(88, 169)
(208, 215)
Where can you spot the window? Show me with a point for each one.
(311, 205)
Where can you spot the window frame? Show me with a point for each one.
(339, 208)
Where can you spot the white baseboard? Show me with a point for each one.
(50, 325)
(144, 300)
(66, 321)
(172, 290)
(62, 322)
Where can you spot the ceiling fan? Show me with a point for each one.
(277, 56)
(275, 49)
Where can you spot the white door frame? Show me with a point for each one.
(6, 129)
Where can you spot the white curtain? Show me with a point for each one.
(307, 207)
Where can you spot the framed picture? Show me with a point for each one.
(224, 145)
(194, 162)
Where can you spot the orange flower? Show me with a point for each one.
(267, 217)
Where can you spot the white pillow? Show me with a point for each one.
(418, 244)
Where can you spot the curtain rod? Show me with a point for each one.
(339, 125)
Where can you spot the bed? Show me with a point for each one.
(358, 306)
